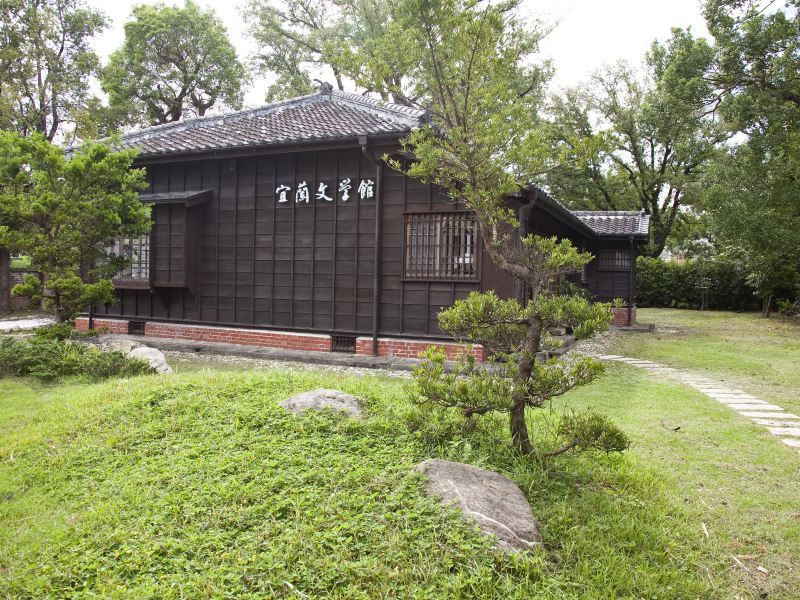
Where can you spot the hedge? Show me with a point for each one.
(677, 285)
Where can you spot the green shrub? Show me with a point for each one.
(48, 359)
(56, 331)
(678, 285)
(64, 331)
(787, 307)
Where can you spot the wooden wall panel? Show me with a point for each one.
(295, 265)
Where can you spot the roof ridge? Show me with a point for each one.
(607, 213)
(379, 104)
(184, 124)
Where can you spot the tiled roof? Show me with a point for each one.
(328, 114)
(615, 222)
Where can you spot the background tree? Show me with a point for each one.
(471, 64)
(753, 192)
(656, 131)
(47, 64)
(65, 213)
(174, 61)
(303, 40)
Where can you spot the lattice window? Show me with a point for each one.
(441, 246)
(137, 249)
(614, 259)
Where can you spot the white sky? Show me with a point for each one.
(589, 33)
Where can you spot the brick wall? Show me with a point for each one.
(247, 337)
(621, 317)
(113, 325)
(402, 348)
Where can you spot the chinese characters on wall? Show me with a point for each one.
(325, 192)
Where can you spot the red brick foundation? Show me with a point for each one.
(393, 347)
(402, 348)
(248, 337)
(621, 317)
(113, 325)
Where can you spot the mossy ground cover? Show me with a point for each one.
(199, 485)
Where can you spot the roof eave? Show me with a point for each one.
(251, 149)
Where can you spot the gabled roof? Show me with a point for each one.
(596, 223)
(612, 223)
(328, 114)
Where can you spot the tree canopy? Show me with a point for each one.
(175, 61)
(753, 193)
(301, 40)
(65, 212)
(473, 66)
(648, 135)
(47, 63)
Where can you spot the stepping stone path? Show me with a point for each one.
(779, 423)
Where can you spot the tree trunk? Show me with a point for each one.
(517, 424)
(766, 305)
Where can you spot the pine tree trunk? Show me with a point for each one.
(517, 424)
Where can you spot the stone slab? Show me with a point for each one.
(321, 399)
(776, 423)
(769, 415)
(788, 431)
(492, 500)
(755, 407)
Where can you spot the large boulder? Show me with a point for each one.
(111, 343)
(319, 399)
(492, 500)
(154, 357)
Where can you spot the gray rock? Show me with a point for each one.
(492, 500)
(115, 344)
(155, 358)
(318, 399)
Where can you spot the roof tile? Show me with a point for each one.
(615, 222)
(328, 114)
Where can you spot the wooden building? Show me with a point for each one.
(281, 226)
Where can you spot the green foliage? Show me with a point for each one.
(787, 307)
(638, 140)
(201, 483)
(471, 65)
(56, 331)
(65, 331)
(590, 431)
(49, 359)
(619, 303)
(174, 61)
(65, 213)
(677, 285)
(514, 378)
(752, 193)
(47, 62)
(583, 317)
(300, 39)
(22, 262)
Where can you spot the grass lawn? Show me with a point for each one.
(199, 485)
(761, 356)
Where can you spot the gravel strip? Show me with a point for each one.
(216, 360)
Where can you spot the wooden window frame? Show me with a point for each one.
(139, 273)
(440, 258)
(620, 259)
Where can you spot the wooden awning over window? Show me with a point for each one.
(187, 198)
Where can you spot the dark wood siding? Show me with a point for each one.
(303, 266)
